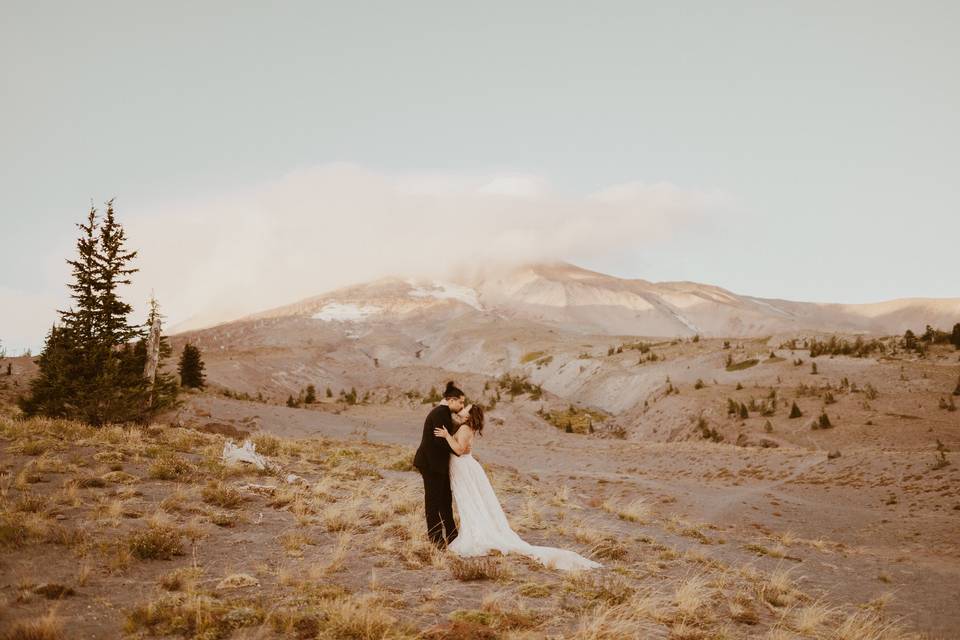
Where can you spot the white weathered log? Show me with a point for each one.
(247, 454)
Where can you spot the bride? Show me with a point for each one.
(483, 525)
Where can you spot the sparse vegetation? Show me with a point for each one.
(573, 419)
(518, 385)
(822, 422)
(156, 543)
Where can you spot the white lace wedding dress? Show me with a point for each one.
(484, 527)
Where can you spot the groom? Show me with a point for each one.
(432, 460)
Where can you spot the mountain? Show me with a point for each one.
(577, 335)
(577, 300)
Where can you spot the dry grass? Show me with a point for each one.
(870, 626)
(635, 511)
(646, 589)
(484, 568)
(155, 543)
(47, 627)
(171, 467)
(222, 495)
(691, 594)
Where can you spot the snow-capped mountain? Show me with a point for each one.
(569, 298)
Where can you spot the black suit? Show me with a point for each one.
(433, 461)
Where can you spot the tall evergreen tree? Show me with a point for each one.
(955, 336)
(88, 369)
(190, 367)
(81, 319)
(113, 259)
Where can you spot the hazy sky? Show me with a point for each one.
(260, 152)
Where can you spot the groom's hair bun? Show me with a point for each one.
(452, 391)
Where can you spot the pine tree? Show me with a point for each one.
(329, 392)
(113, 271)
(53, 389)
(955, 336)
(89, 370)
(190, 367)
(81, 321)
(311, 396)
(824, 421)
(795, 411)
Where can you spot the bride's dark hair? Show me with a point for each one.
(475, 419)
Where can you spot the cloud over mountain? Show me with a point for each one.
(322, 227)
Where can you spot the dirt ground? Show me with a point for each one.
(851, 531)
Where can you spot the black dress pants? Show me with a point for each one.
(438, 506)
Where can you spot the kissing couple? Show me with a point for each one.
(450, 471)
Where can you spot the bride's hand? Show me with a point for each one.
(441, 432)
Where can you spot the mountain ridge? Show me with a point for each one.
(572, 298)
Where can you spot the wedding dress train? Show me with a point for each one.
(483, 524)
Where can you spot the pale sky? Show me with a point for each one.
(262, 152)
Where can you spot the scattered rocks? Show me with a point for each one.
(293, 478)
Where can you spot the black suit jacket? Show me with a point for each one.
(433, 454)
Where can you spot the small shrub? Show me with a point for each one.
(823, 422)
(795, 411)
(266, 444)
(170, 467)
(221, 495)
(156, 543)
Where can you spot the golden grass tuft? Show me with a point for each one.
(635, 511)
(171, 467)
(223, 495)
(483, 568)
(155, 543)
(47, 627)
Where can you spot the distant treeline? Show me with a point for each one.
(860, 348)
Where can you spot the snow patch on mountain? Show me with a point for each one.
(345, 312)
(446, 291)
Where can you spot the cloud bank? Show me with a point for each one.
(319, 228)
